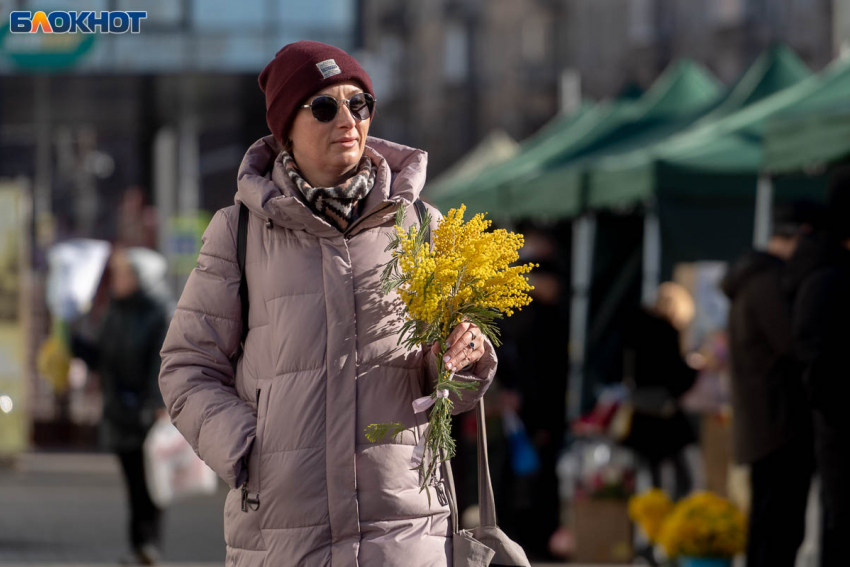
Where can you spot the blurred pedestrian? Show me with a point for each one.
(125, 354)
(532, 360)
(771, 420)
(658, 375)
(321, 359)
(818, 275)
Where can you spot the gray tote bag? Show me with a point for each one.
(486, 544)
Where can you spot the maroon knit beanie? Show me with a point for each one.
(299, 70)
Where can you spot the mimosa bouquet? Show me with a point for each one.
(703, 525)
(649, 510)
(466, 276)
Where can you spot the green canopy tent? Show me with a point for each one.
(561, 134)
(712, 165)
(684, 92)
(495, 148)
(724, 142)
(814, 132)
(447, 183)
(710, 170)
(627, 172)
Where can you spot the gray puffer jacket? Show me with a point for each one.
(321, 362)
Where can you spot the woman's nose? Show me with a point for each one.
(346, 118)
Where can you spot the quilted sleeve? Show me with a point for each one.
(196, 377)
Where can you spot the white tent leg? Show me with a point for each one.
(584, 231)
(764, 204)
(651, 257)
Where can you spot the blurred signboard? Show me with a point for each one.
(14, 269)
(43, 51)
(184, 241)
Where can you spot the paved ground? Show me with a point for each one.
(68, 510)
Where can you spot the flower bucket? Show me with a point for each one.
(705, 562)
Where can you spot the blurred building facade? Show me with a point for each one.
(448, 71)
(610, 41)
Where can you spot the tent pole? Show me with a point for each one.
(764, 204)
(651, 256)
(584, 231)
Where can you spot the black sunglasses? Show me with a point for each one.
(325, 107)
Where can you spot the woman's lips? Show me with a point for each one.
(347, 142)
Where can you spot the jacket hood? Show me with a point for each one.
(264, 187)
(814, 252)
(751, 264)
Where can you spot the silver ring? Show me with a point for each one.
(471, 345)
(473, 335)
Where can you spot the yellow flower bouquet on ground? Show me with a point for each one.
(704, 525)
(699, 529)
(649, 510)
(466, 276)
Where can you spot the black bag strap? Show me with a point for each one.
(241, 245)
(420, 213)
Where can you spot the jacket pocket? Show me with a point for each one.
(250, 491)
(242, 521)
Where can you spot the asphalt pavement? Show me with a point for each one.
(69, 510)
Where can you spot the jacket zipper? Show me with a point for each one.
(369, 214)
(247, 501)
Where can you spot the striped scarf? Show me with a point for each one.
(337, 205)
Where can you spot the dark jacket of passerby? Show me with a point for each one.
(768, 401)
(818, 277)
(125, 354)
(532, 358)
(657, 364)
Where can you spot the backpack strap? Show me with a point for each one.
(241, 246)
(420, 213)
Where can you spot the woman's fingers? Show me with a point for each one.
(461, 354)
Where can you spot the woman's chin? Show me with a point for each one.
(345, 159)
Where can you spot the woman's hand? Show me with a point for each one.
(466, 346)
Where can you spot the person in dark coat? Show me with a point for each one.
(658, 375)
(818, 276)
(532, 377)
(771, 418)
(125, 354)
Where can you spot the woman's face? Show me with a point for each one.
(326, 151)
(123, 278)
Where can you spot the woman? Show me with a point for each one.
(320, 361)
(659, 376)
(125, 353)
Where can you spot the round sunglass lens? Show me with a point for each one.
(361, 105)
(324, 108)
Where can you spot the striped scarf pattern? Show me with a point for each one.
(337, 205)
